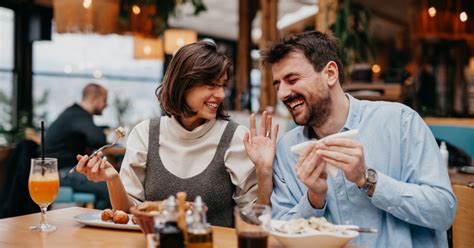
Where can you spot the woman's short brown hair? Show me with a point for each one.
(192, 65)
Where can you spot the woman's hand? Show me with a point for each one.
(261, 147)
(261, 150)
(96, 169)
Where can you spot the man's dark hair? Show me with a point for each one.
(317, 47)
(192, 65)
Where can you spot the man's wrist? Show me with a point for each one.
(369, 183)
(316, 201)
(362, 183)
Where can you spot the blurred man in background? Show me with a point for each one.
(74, 132)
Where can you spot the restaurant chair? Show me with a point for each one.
(457, 136)
(463, 226)
(15, 198)
(66, 195)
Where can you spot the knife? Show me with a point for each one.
(358, 229)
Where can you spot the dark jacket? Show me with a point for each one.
(74, 132)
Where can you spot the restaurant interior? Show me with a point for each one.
(416, 52)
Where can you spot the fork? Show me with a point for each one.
(119, 135)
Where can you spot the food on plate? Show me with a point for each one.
(297, 226)
(120, 217)
(155, 207)
(120, 132)
(107, 214)
(117, 216)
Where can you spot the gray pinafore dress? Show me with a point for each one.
(213, 184)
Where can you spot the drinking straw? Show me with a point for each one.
(43, 169)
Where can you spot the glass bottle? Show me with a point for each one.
(199, 231)
(170, 235)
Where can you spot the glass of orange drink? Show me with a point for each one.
(43, 185)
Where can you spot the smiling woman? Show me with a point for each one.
(198, 74)
(194, 148)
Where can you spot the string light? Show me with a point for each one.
(376, 68)
(176, 38)
(432, 11)
(67, 69)
(87, 4)
(97, 74)
(147, 50)
(136, 10)
(463, 16)
(180, 42)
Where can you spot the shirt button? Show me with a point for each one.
(406, 219)
(389, 208)
(347, 222)
(341, 193)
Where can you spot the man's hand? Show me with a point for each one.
(348, 155)
(310, 170)
(95, 168)
(261, 147)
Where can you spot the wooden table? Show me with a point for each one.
(14, 232)
(460, 178)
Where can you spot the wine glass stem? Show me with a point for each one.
(43, 215)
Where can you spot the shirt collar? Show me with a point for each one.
(355, 113)
(352, 121)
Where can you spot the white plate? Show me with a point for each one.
(313, 239)
(93, 219)
(467, 169)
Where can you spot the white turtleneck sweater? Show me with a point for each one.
(187, 153)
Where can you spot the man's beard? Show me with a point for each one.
(318, 111)
(97, 111)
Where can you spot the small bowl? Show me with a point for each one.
(313, 239)
(146, 218)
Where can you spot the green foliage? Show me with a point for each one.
(352, 29)
(7, 131)
(122, 105)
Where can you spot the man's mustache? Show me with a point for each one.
(290, 98)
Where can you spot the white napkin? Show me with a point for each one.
(330, 169)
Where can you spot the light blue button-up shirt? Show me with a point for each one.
(413, 204)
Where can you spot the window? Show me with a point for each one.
(63, 66)
(6, 69)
